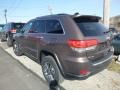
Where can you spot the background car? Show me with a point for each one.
(1, 27)
(116, 44)
(8, 30)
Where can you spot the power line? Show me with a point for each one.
(50, 9)
(17, 4)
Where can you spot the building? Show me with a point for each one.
(115, 22)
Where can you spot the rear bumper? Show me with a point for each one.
(75, 66)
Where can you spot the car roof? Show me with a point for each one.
(52, 16)
(67, 15)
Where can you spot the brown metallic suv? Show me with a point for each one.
(66, 45)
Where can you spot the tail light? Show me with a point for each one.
(13, 31)
(82, 43)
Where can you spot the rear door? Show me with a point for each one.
(92, 29)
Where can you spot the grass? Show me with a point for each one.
(114, 66)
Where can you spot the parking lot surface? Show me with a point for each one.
(105, 80)
(13, 76)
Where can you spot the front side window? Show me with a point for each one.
(53, 27)
(27, 27)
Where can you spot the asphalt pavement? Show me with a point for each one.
(14, 76)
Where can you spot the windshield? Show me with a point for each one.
(90, 25)
(18, 25)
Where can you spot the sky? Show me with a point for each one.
(24, 10)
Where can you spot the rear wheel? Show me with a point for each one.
(16, 49)
(9, 41)
(50, 70)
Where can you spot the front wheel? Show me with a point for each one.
(50, 70)
(16, 49)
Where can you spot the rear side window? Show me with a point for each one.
(53, 27)
(91, 27)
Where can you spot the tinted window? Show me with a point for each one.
(53, 26)
(90, 25)
(6, 27)
(18, 25)
(39, 26)
(92, 28)
(27, 27)
(117, 37)
(0, 28)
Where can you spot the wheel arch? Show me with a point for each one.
(54, 55)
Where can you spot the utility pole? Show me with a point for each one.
(50, 10)
(106, 12)
(5, 12)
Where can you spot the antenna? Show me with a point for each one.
(50, 9)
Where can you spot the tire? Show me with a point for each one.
(16, 49)
(50, 70)
(2, 40)
(9, 41)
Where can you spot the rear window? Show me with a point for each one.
(90, 27)
(18, 25)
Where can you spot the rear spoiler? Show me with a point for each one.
(87, 18)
